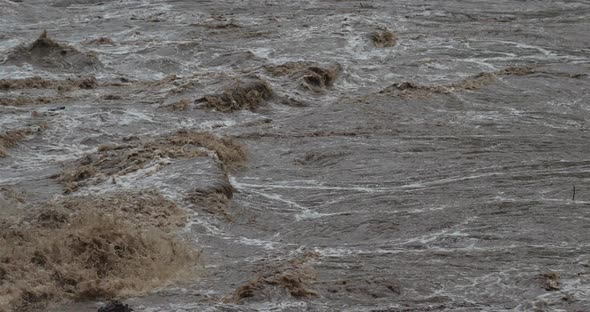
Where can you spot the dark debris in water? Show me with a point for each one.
(115, 306)
(384, 39)
(550, 281)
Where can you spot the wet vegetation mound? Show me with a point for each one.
(247, 95)
(383, 39)
(215, 200)
(26, 100)
(11, 138)
(293, 277)
(412, 90)
(47, 53)
(136, 154)
(91, 247)
(311, 76)
(42, 83)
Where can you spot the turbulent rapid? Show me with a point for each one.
(312, 155)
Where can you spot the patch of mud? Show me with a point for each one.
(136, 154)
(215, 200)
(91, 247)
(47, 53)
(310, 75)
(384, 39)
(242, 95)
(42, 83)
(292, 277)
(12, 138)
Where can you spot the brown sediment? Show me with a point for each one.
(243, 95)
(91, 247)
(46, 52)
(42, 83)
(384, 39)
(293, 276)
(116, 160)
(311, 75)
(11, 138)
(215, 200)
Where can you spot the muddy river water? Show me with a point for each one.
(433, 171)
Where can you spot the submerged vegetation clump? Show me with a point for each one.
(311, 76)
(384, 39)
(318, 78)
(137, 154)
(242, 96)
(42, 83)
(215, 200)
(11, 138)
(180, 105)
(46, 52)
(550, 281)
(115, 306)
(91, 247)
(411, 90)
(293, 276)
(101, 41)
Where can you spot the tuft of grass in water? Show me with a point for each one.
(384, 39)
(113, 160)
(12, 138)
(91, 247)
(242, 96)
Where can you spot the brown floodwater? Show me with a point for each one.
(401, 155)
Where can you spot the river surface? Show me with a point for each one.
(452, 192)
